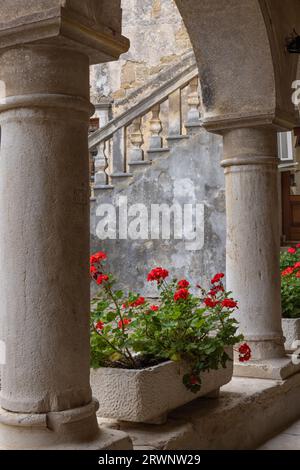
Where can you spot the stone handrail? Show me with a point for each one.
(118, 147)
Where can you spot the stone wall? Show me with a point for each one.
(158, 39)
(190, 174)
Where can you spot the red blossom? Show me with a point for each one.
(213, 292)
(298, 245)
(125, 322)
(183, 284)
(297, 265)
(154, 308)
(211, 302)
(98, 257)
(244, 353)
(292, 251)
(181, 294)
(93, 270)
(157, 274)
(194, 380)
(99, 325)
(138, 302)
(217, 278)
(229, 303)
(298, 274)
(102, 278)
(287, 271)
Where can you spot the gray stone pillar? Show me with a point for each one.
(46, 397)
(253, 274)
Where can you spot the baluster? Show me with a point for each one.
(118, 166)
(156, 148)
(136, 153)
(193, 116)
(156, 141)
(101, 164)
(175, 118)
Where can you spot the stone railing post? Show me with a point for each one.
(136, 153)
(156, 141)
(193, 116)
(46, 399)
(101, 165)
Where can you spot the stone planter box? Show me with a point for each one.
(291, 332)
(146, 396)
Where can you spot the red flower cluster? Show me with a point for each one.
(124, 323)
(217, 278)
(102, 278)
(244, 353)
(157, 274)
(292, 251)
(99, 325)
(181, 294)
(213, 292)
(183, 284)
(98, 257)
(229, 303)
(154, 308)
(287, 271)
(138, 302)
(211, 302)
(194, 380)
(95, 273)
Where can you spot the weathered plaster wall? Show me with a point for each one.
(190, 174)
(158, 39)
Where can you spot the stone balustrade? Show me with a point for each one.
(136, 137)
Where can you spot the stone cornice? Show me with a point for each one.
(275, 119)
(62, 27)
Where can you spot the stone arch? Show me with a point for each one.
(246, 72)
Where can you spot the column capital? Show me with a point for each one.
(62, 23)
(271, 119)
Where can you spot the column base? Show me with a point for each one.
(274, 369)
(75, 429)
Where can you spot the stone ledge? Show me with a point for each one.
(247, 414)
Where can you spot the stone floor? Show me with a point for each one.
(246, 415)
(289, 439)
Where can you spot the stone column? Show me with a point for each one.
(253, 274)
(45, 395)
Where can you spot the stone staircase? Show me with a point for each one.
(148, 130)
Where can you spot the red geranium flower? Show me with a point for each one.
(181, 294)
(292, 251)
(298, 274)
(99, 325)
(287, 271)
(213, 292)
(183, 284)
(157, 274)
(102, 278)
(98, 257)
(125, 322)
(154, 308)
(229, 303)
(297, 265)
(93, 270)
(244, 353)
(210, 302)
(138, 302)
(217, 278)
(298, 245)
(194, 380)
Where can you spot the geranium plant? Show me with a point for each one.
(290, 282)
(129, 332)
